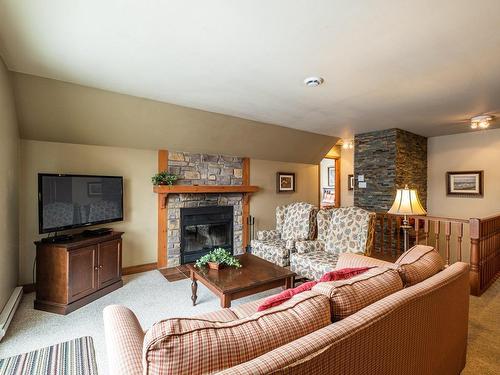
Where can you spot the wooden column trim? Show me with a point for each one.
(337, 182)
(162, 214)
(320, 188)
(246, 171)
(475, 235)
(246, 202)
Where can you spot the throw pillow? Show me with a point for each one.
(342, 274)
(419, 263)
(284, 296)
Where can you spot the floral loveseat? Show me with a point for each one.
(294, 222)
(340, 230)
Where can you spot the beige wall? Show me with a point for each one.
(263, 203)
(56, 111)
(140, 211)
(346, 168)
(137, 166)
(9, 183)
(464, 152)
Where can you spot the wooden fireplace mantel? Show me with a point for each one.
(204, 189)
(164, 190)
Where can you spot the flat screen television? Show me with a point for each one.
(71, 201)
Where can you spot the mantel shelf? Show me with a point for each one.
(204, 189)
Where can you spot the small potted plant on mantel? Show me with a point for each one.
(218, 258)
(164, 178)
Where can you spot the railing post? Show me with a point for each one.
(417, 231)
(447, 234)
(459, 241)
(436, 234)
(475, 235)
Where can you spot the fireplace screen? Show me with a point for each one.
(204, 229)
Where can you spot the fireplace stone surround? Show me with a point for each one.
(203, 169)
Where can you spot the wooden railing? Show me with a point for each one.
(485, 252)
(476, 241)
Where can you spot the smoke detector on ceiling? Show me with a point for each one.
(313, 81)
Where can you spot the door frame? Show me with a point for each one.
(337, 181)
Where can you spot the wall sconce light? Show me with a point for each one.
(347, 145)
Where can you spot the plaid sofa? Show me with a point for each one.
(417, 329)
(294, 222)
(340, 230)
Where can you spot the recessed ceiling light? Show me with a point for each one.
(481, 122)
(313, 81)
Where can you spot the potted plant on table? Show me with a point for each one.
(218, 258)
(164, 178)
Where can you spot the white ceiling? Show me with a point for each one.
(418, 65)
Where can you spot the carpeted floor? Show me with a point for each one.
(152, 298)
(483, 354)
(148, 294)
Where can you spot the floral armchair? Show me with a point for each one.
(294, 222)
(340, 230)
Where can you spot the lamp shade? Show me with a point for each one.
(407, 203)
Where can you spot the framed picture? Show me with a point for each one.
(328, 195)
(331, 176)
(350, 182)
(464, 183)
(285, 182)
(94, 189)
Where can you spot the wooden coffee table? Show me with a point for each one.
(229, 283)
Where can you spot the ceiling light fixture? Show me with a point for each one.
(313, 81)
(480, 122)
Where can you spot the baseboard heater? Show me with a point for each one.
(8, 311)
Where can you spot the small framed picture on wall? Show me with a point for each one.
(350, 182)
(331, 176)
(285, 182)
(469, 183)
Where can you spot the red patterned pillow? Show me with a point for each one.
(278, 299)
(285, 295)
(342, 274)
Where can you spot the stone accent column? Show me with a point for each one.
(389, 159)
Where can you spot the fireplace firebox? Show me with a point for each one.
(204, 229)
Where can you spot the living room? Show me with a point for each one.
(286, 119)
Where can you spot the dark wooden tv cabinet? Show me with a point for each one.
(73, 273)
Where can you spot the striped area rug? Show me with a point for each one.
(75, 357)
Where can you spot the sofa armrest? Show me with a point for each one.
(265, 235)
(124, 339)
(303, 247)
(351, 260)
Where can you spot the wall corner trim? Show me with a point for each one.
(9, 309)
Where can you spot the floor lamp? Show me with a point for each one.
(406, 204)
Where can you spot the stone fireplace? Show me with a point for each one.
(194, 219)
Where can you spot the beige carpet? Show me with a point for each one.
(483, 354)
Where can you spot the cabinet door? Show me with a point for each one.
(82, 275)
(109, 263)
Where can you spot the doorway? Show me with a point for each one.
(329, 182)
